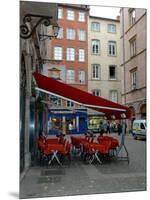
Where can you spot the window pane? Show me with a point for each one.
(70, 76)
(70, 14)
(81, 35)
(60, 13)
(58, 53)
(95, 26)
(70, 54)
(81, 55)
(114, 96)
(82, 76)
(112, 72)
(81, 16)
(70, 104)
(95, 71)
(95, 46)
(111, 28)
(70, 34)
(112, 48)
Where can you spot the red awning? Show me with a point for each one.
(67, 92)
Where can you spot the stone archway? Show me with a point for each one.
(143, 111)
(133, 116)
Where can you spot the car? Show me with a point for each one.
(139, 128)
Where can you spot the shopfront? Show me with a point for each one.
(59, 120)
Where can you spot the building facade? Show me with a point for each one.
(32, 52)
(133, 60)
(69, 51)
(67, 61)
(104, 75)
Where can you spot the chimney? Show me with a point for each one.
(118, 17)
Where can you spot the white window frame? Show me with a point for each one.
(95, 45)
(70, 15)
(114, 77)
(82, 35)
(70, 54)
(96, 92)
(70, 34)
(132, 16)
(113, 95)
(69, 104)
(95, 26)
(70, 76)
(58, 53)
(111, 28)
(82, 76)
(132, 47)
(95, 72)
(134, 79)
(81, 55)
(112, 48)
(81, 17)
(60, 13)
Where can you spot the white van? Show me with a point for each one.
(139, 128)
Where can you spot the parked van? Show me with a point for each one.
(139, 128)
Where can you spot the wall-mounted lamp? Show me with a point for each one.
(55, 30)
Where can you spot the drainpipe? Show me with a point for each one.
(124, 71)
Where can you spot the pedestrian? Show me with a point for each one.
(119, 127)
(101, 128)
(108, 127)
(70, 127)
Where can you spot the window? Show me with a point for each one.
(70, 54)
(70, 34)
(112, 72)
(81, 55)
(95, 46)
(112, 48)
(95, 71)
(70, 104)
(96, 92)
(95, 26)
(132, 47)
(70, 14)
(133, 79)
(81, 17)
(55, 101)
(113, 95)
(58, 53)
(82, 76)
(131, 16)
(111, 28)
(70, 76)
(60, 33)
(60, 13)
(81, 35)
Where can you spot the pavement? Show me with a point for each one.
(80, 178)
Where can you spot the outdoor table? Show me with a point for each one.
(52, 140)
(55, 149)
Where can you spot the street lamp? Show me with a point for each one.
(55, 31)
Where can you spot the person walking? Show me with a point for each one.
(119, 127)
(70, 127)
(108, 127)
(101, 128)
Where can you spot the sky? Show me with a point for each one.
(106, 12)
